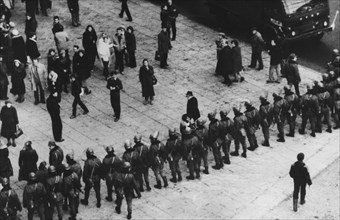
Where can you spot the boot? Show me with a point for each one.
(174, 178)
(36, 98)
(118, 210)
(148, 188)
(129, 216)
(235, 153)
(329, 129)
(336, 126)
(226, 160)
(198, 175)
(87, 91)
(302, 201)
(244, 154)
(281, 139)
(266, 143)
(295, 205)
(179, 177)
(318, 130)
(206, 170)
(251, 148)
(290, 134)
(13, 142)
(301, 131)
(165, 181)
(216, 167)
(312, 134)
(109, 198)
(141, 188)
(158, 185)
(98, 204)
(84, 201)
(190, 177)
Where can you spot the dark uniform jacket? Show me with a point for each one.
(266, 114)
(9, 201)
(70, 184)
(324, 98)
(292, 72)
(92, 170)
(34, 193)
(336, 97)
(157, 154)
(174, 149)
(127, 182)
(202, 133)
(293, 103)
(240, 125)
(56, 157)
(213, 132)
(76, 63)
(76, 168)
(299, 172)
(54, 189)
(28, 159)
(192, 108)
(226, 129)
(19, 49)
(253, 118)
(165, 18)
(142, 151)
(130, 156)
(309, 105)
(257, 42)
(173, 12)
(111, 164)
(192, 146)
(280, 109)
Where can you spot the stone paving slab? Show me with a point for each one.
(243, 190)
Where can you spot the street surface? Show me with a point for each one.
(246, 189)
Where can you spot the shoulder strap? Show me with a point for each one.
(141, 149)
(9, 194)
(113, 160)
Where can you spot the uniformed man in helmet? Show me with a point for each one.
(253, 119)
(91, 176)
(266, 115)
(142, 163)
(336, 101)
(240, 126)
(280, 110)
(226, 134)
(54, 193)
(293, 109)
(193, 153)
(202, 133)
(325, 101)
(174, 153)
(213, 140)
(9, 201)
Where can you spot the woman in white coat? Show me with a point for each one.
(104, 46)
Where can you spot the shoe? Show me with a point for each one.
(312, 134)
(198, 176)
(98, 204)
(151, 102)
(226, 161)
(329, 130)
(129, 216)
(242, 79)
(84, 202)
(251, 148)
(260, 68)
(244, 154)
(206, 170)
(216, 167)
(301, 131)
(270, 81)
(120, 15)
(141, 189)
(9, 143)
(280, 140)
(266, 144)
(336, 127)
(72, 117)
(88, 92)
(191, 177)
(146, 102)
(158, 185)
(109, 199)
(117, 210)
(61, 140)
(173, 179)
(21, 100)
(148, 188)
(302, 202)
(179, 179)
(14, 144)
(235, 153)
(116, 119)
(251, 66)
(277, 81)
(86, 112)
(129, 19)
(290, 135)
(318, 130)
(36, 103)
(43, 101)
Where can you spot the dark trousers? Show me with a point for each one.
(119, 61)
(74, 204)
(125, 9)
(31, 7)
(326, 114)
(205, 157)
(96, 187)
(77, 101)
(50, 210)
(216, 148)
(337, 117)
(173, 28)
(265, 131)
(39, 91)
(240, 139)
(174, 167)
(226, 149)
(75, 18)
(106, 68)
(109, 186)
(296, 87)
(291, 122)
(115, 103)
(280, 127)
(252, 138)
(43, 6)
(3, 91)
(194, 165)
(132, 58)
(128, 197)
(297, 187)
(41, 212)
(312, 120)
(256, 56)
(159, 172)
(57, 127)
(164, 59)
(91, 54)
(140, 173)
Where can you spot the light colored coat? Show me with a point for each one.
(61, 40)
(36, 77)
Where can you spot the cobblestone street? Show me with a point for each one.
(246, 189)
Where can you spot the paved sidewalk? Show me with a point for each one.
(245, 189)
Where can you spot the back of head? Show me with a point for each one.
(89, 152)
(52, 169)
(137, 138)
(300, 157)
(32, 176)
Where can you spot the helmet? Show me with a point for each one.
(70, 156)
(172, 132)
(137, 138)
(212, 115)
(286, 88)
(247, 102)
(335, 52)
(331, 74)
(5, 181)
(51, 143)
(89, 151)
(200, 122)
(127, 144)
(109, 149)
(154, 135)
(224, 113)
(262, 97)
(51, 169)
(325, 76)
(309, 87)
(320, 84)
(32, 176)
(126, 165)
(67, 166)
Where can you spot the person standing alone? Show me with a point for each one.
(125, 8)
(53, 109)
(299, 172)
(76, 92)
(164, 45)
(115, 85)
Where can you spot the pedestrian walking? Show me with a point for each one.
(91, 176)
(54, 193)
(19, 47)
(275, 52)
(28, 159)
(300, 174)
(142, 163)
(75, 60)
(119, 40)
(192, 106)
(32, 47)
(257, 44)
(291, 72)
(146, 77)
(164, 45)
(34, 197)
(31, 25)
(3, 80)
(53, 109)
(37, 75)
(173, 14)
(10, 123)
(73, 6)
(77, 92)
(114, 84)
(104, 52)
(157, 157)
(125, 8)
(266, 116)
(6, 169)
(131, 46)
(90, 45)
(9, 201)
(56, 156)
(84, 71)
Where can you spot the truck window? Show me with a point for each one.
(291, 6)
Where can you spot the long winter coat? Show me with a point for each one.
(6, 169)
(293, 75)
(18, 76)
(37, 75)
(19, 49)
(3, 76)
(7, 45)
(164, 43)
(237, 59)
(90, 42)
(84, 71)
(145, 78)
(32, 48)
(225, 63)
(28, 159)
(9, 120)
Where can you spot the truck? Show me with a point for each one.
(281, 20)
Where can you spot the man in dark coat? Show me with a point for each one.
(131, 46)
(84, 71)
(173, 14)
(125, 9)
(275, 52)
(53, 109)
(76, 92)
(90, 45)
(28, 159)
(164, 45)
(6, 169)
(299, 172)
(226, 62)
(30, 26)
(57, 27)
(257, 43)
(146, 75)
(19, 47)
(3, 81)
(192, 106)
(63, 69)
(73, 6)
(56, 156)
(7, 52)
(237, 59)
(292, 73)
(31, 7)
(32, 47)
(115, 85)
(9, 201)
(76, 60)
(9, 118)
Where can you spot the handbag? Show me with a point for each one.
(18, 133)
(157, 55)
(154, 80)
